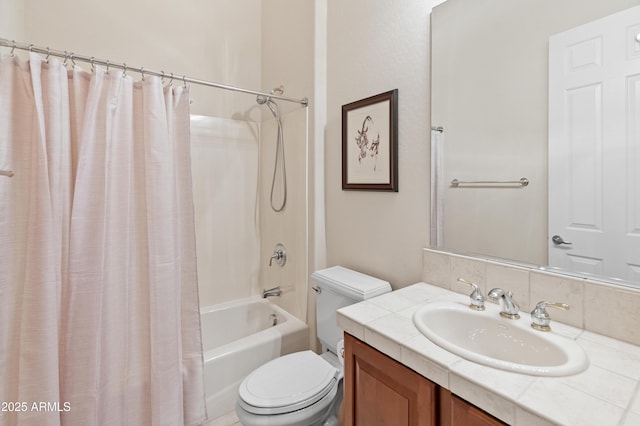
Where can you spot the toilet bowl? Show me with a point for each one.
(304, 388)
(298, 389)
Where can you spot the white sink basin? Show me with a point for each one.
(486, 338)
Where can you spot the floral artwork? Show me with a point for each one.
(362, 140)
(369, 147)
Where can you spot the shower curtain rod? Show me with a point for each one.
(95, 61)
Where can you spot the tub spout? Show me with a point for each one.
(271, 292)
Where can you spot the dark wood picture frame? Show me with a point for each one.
(370, 143)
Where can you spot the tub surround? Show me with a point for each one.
(607, 393)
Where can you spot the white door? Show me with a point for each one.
(594, 147)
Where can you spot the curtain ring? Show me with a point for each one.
(93, 64)
(73, 62)
(31, 48)
(171, 81)
(13, 49)
(142, 72)
(107, 71)
(184, 81)
(48, 54)
(162, 77)
(66, 58)
(124, 70)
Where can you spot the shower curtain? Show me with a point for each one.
(99, 318)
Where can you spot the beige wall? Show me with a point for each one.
(12, 19)
(217, 40)
(374, 47)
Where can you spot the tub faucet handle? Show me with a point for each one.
(476, 298)
(279, 254)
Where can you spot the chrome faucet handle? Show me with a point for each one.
(476, 298)
(540, 318)
(509, 306)
(279, 254)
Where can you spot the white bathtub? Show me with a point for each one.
(238, 337)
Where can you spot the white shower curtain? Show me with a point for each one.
(99, 318)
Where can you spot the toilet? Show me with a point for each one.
(304, 388)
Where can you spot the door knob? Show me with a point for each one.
(557, 240)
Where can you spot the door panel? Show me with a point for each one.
(594, 154)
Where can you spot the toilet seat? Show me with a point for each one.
(289, 383)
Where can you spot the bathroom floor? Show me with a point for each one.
(229, 419)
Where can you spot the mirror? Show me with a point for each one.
(490, 94)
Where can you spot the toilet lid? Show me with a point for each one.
(288, 383)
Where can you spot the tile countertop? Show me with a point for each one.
(606, 393)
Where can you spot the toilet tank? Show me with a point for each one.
(340, 287)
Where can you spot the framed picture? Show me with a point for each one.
(370, 143)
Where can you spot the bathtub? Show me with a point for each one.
(238, 337)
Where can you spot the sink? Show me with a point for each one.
(486, 338)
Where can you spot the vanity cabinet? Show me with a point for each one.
(456, 411)
(379, 391)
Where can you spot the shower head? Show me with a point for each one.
(262, 99)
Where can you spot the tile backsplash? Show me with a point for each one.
(595, 306)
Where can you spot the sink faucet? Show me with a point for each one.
(509, 307)
(476, 301)
(271, 292)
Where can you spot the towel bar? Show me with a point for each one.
(522, 182)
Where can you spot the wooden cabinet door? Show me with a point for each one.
(379, 391)
(455, 411)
